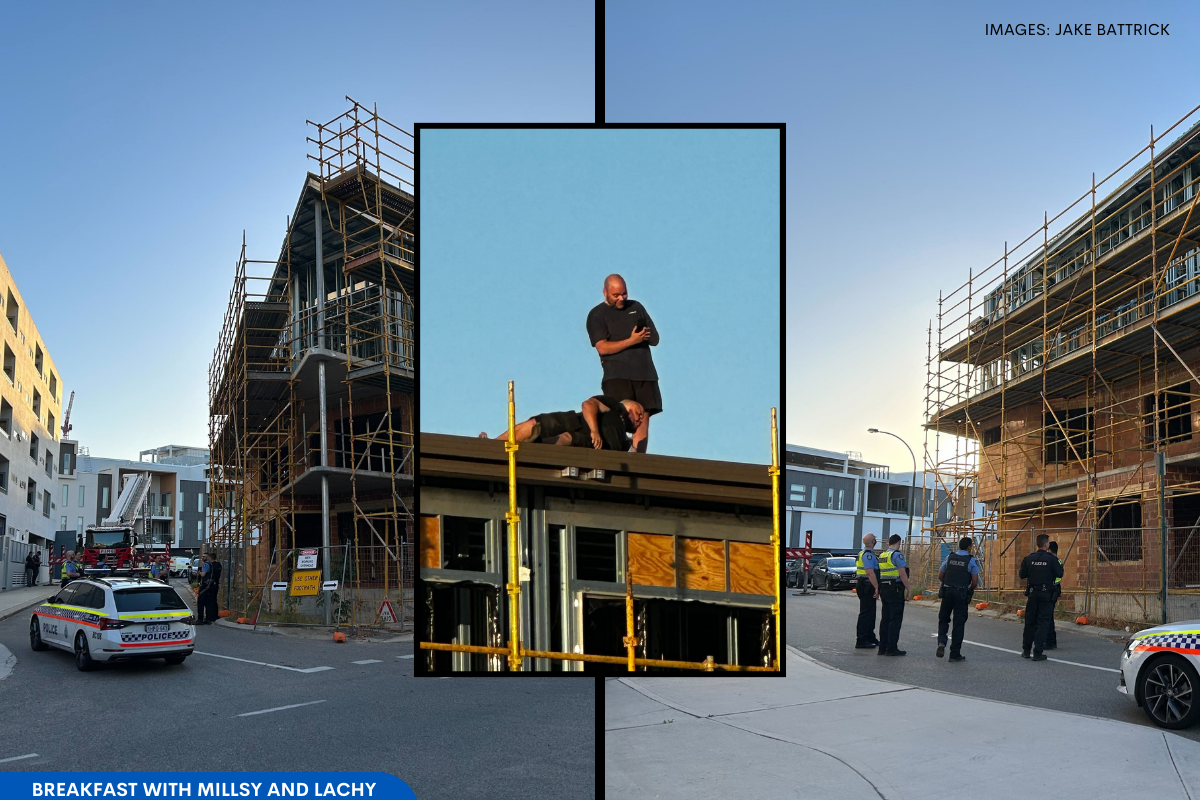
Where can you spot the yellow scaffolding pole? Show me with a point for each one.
(514, 519)
(774, 472)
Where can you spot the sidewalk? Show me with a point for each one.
(14, 601)
(820, 732)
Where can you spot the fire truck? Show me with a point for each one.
(115, 543)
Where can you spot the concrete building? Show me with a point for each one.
(175, 507)
(840, 497)
(30, 415)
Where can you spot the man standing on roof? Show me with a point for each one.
(622, 332)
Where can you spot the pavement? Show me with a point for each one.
(14, 601)
(824, 732)
(280, 703)
(1082, 675)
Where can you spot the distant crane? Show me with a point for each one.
(66, 426)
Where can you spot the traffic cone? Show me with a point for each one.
(339, 637)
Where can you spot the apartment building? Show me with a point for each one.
(840, 497)
(30, 415)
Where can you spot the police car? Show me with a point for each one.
(115, 619)
(1162, 667)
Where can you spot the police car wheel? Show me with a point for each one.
(1168, 687)
(83, 656)
(35, 635)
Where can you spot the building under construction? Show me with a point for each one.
(627, 561)
(1063, 390)
(310, 392)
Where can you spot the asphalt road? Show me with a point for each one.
(446, 737)
(822, 625)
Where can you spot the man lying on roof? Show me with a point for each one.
(605, 424)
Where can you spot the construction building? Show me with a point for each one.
(677, 549)
(1061, 376)
(311, 386)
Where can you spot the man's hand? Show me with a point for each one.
(639, 335)
(597, 442)
(877, 594)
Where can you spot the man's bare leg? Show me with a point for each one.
(641, 436)
(523, 431)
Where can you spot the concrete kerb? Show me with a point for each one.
(311, 632)
(20, 604)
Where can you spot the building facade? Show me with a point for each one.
(30, 416)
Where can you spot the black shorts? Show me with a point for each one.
(644, 392)
(551, 426)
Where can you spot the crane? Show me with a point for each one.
(66, 426)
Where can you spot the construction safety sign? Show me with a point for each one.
(306, 582)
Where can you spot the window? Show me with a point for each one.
(31, 493)
(200, 502)
(1173, 415)
(797, 495)
(50, 424)
(200, 529)
(166, 504)
(991, 436)
(53, 386)
(49, 463)
(33, 443)
(13, 310)
(66, 463)
(37, 404)
(37, 359)
(104, 497)
(841, 499)
(81, 488)
(814, 497)
(66, 496)
(596, 554)
(6, 416)
(46, 504)
(63, 527)
(3, 474)
(830, 506)
(10, 365)
(463, 543)
(1119, 531)
(79, 526)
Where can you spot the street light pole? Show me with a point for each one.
(912, 492)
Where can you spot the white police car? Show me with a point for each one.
(1162, 665)
(115, 619)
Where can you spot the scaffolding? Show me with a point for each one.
(514, 649)
(1061, 385)
(311, 388)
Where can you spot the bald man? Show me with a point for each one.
(867, 569)
(623, 333)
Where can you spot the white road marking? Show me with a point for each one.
(280, 708)
(18, 758)
(263, 663)
(410, 655)
(1018, 652)
(368, 661)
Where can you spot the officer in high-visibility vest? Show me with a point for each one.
(959, 575)
(1052, 637)
(893, 591)
(867, 587)
(1039, 568)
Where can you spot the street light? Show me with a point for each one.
(912, 492)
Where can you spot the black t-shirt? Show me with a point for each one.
(1041, 567)
(607, 323)
(615, 424)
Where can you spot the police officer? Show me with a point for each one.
(867, 571)
(1052, 637)
(1039, 568)
(70, 569)
(893, 591)
(959, 575)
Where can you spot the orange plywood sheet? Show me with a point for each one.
(652, 559)
(431, 551)
(750, 568)
(701, 564)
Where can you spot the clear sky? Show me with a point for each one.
(916, 147)
(141, 138)
(519, 229)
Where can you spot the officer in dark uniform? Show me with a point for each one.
(867, 570)
(893, 591)
(1039, 568)
(1052, 637)
(959, 575)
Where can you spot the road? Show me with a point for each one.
(447, 737)
(822, 625)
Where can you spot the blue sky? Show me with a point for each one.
(140, 139)
(916, 147)
(519, 229)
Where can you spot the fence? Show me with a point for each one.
(12, 561)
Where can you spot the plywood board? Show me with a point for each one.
(431, 551)
(701, 564)
(750, 568)
(652, 559)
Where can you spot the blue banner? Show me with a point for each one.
(196, 785)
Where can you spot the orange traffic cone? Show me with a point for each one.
(1081, 620)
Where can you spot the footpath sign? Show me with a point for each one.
(305, 583)
(307, 559)
(386, 613)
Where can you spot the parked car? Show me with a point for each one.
(834, 572)
(795, 572)
(181, 566)
(1160, 671)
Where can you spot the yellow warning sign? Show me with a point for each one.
(305, 582)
